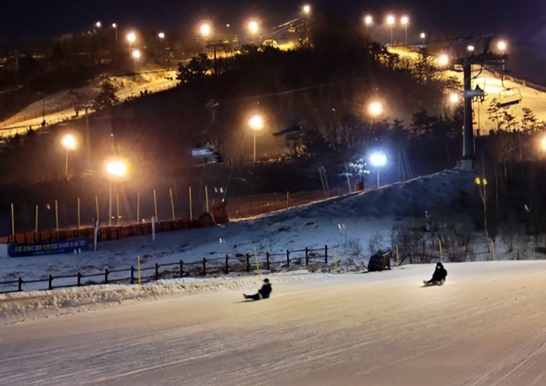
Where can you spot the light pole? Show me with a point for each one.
(136, 54)
(256, 123)
(307, 12)
(368, 20)
(423, 36)
(69, 143)
(115, 27)
(390, 22)
(115, 170)
(253, 28)
(378, 160)
(404, 20)
(131, 38)
(374, 109)
(205, 30)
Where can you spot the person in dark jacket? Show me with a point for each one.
(263, 293)
(438, 277)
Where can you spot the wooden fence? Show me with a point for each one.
(221, 265)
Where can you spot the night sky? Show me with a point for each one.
(521, 23)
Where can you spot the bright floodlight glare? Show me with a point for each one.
(131, 37)
(404, 20)
(375, 108)
(116, 168)
(256, 122)
(368, 19)
(543, 143)
(470, 48)
(423, 35)
(307, 9)
(98, 24)
(205, 29)
(443, 59)
(454, 98)
(501, 45)
(378, 159)
(390, 20)
(161, 35)
(69, 142)
(253, 27)
(114, 25)
(136, 54)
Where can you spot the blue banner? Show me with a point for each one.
(55, 247)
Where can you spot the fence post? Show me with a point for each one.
(267, 260)
(20, 284)
(247, 262)
(306, 256)
(181, 268)
(227, 264)
(156, 271)
(287, 258)
(204, 266)
(79, 279)
(50, 282)
(106, 272)
(132, 274)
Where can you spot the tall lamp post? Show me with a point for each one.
(205, 30)
(374, 109)
(307, 12)
(378, 160)
(404, 20)
(69, 143)
(368, 20)
(136, 54)
(423, 36)
(115, 27)
(256, 123)
(390, 22)
(115, 170)
(131, 38)
(253, 28)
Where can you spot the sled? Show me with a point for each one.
(434, 282)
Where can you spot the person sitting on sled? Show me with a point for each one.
(438, 277)
(263, 293)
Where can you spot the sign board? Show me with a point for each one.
(55, 247)
(202, 152)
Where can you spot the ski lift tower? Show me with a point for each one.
(470, 52)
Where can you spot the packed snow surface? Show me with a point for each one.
(484, 326)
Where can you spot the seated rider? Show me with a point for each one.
(263, 293)
(439, 275)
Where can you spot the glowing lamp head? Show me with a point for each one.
(116, 168)
(161, 35)
(306, 9)
(69, 142)
(256, 122)
(136, 54)
(368, 19)
(404, 20)
(253, 27)
(501, 45)
(443, 59)
(391, 20)
(378, 159)
(131, 37)
(454, 98)
(375, 109)
(423, 35)
(205, 30)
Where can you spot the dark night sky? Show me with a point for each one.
(522, 23)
